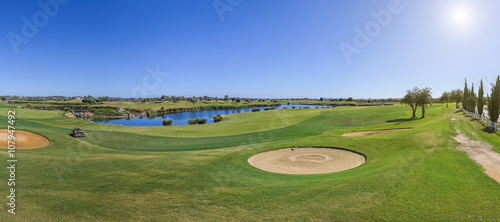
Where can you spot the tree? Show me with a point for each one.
(466, 96)
(88, 99)
(494, 103)
(350, 99)
(445, 98)
(472, 100)
(456, 96)
(411, 99)
(193, 100)
(174, 99)
(164, 98)
(480, 99)
(424, 98)
(3, 98)
(104, 99)
(226, 98)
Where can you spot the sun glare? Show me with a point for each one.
(460, 17)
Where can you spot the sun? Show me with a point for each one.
(460, 16)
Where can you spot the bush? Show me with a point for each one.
(293, 107)
(217, 118)
(104, 112)
(167, 122)
(192, 121)
(201, 121)
(285, 108)
(255, 110)
(151, 113)
(267, 108)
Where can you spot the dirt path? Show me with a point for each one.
(366, 133)
(482, 154)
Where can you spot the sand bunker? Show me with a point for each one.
(23, 140)
(366, 133)
(307, 160)
(481, 152)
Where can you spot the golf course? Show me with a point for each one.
(412, 170)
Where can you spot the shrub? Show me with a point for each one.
(89, 99)
(217, 118)
(201, 121)
(192, 121)
(104, 112)
(267, 108)
(151, 113)
(167, 122)
(285, 108)
(293, 107)
(255, 110)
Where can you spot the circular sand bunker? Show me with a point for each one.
(307, 160)
(23, 140)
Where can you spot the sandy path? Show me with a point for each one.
(482, 154)
(366, 133)
(23, 140)
(306, 160)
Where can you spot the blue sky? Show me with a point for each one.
(271, 49)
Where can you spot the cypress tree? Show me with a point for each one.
(466, 96)
(494, 103)
(480, 99)
(472, 100)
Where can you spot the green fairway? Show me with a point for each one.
(200, 172)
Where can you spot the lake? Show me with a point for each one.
(182, 118)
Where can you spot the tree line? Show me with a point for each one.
(476, 103)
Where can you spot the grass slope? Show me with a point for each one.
(119, 174)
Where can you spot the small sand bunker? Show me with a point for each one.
(23, 140)
(307, 160)
(366, 133)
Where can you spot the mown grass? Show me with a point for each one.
(119, 174)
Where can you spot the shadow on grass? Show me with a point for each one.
(402, 120)
(488, 130)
